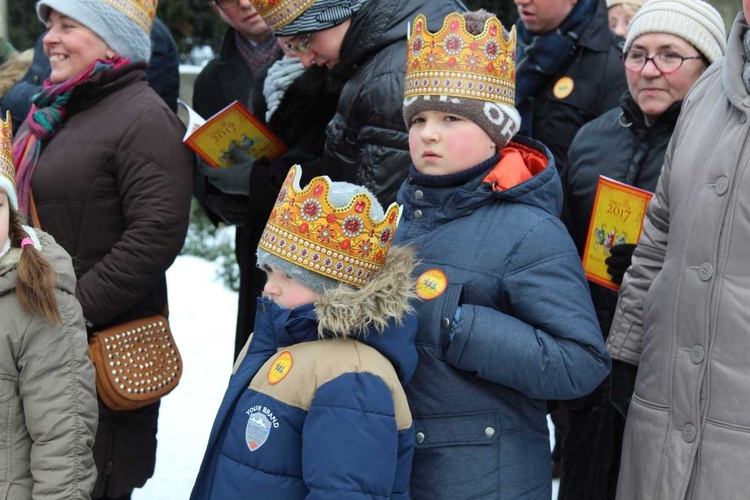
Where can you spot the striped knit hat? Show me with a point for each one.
(636, 4)
(297, 17)
(695, 21)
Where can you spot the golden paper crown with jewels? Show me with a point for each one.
(455, 62)
(279, 13)
(342, 243)
(7, 170)
(142, 12)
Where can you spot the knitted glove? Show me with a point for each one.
(622, 385)
(619, 260)
(234, 179)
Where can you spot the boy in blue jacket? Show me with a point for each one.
(506, 319)
(315, 408)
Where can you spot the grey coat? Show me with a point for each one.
(683, 314)
(48, 409)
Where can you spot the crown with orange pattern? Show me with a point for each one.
(343, 243)
(142, 12)
(279, 13)
(453, 62)
(7, 169)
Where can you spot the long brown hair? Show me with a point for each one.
(35, 283)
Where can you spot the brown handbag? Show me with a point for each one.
(137, 363)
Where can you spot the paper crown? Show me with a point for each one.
(279, 13)
(7, 169)
(455, 62)
(142, 12)
(342, 243)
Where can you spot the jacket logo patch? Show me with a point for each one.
(431, 284)
(257, 429)
(563, 87)
(280, 368)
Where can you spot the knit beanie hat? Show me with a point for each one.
(636, 4)
(327, 233)
(124, 25)
(695, 21)
(457, 71)
(296, 17)
(7, 170)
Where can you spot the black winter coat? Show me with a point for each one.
(367, 141)
(598, 82)
(620, 145)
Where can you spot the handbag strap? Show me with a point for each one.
(34, 214)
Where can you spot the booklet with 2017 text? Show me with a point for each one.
(210, 139)
(617, 217)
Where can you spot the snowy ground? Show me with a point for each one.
(202, 314)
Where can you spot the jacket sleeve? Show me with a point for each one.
(154, 183)
(350, 439)
(626, 335)
(57, 388)
(551, 346)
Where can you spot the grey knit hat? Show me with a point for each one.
(340, 195)
(124, 25)
(321, 15)
(695, 21)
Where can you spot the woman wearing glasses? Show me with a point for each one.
(670, 44)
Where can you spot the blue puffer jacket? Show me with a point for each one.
(314, 419)
(527, 331)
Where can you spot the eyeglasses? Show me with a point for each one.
(665, 62)
(299, 47)
(226, 4)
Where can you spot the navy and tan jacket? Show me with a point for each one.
(316, 408)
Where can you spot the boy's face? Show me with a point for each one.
(322, 48)
(444, 143)
(286, 291)
(4, 217)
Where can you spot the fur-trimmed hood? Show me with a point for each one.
(346, 311)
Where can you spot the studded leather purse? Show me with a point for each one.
(137, 363)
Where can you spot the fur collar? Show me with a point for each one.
(346, 311)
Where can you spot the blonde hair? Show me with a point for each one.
(35, 283)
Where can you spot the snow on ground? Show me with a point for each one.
(203, 315)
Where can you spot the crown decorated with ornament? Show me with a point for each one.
(342, 243)
(454, 62)
(142, 12)
(279, 13)
(6, 150)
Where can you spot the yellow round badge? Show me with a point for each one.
(431, 284)
(280, 368)
(563, 87)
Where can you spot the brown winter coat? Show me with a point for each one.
(683, 314)
(113, 187)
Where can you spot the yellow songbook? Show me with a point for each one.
(617, 217)
(210, 139)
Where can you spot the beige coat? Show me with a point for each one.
(684, 311)
(48, 409)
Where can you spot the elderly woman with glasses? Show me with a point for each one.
(669, 45)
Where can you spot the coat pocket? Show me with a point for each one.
(8, 387)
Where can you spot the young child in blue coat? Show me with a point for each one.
(315, 408)
(506, 320)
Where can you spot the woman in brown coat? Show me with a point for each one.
(102, 157)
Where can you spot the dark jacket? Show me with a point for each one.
(336, 423)
(620, 145)
(367, 140)
(163, 75)
(115, 194)
(526, 332)
(598, 82)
